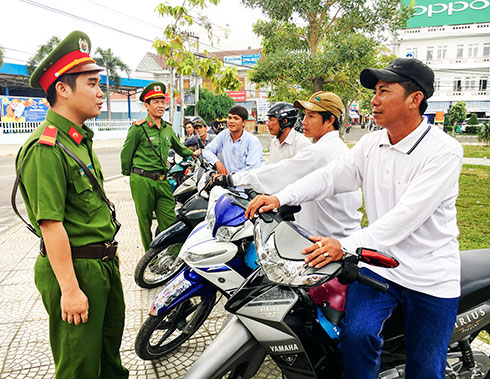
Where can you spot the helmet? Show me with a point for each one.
(283, 111)
(197, 120)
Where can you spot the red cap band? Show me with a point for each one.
(153, 93)
(63, 64)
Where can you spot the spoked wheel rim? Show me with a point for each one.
(179, 324)
(163, 265)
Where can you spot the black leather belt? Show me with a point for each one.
(103, 251)
(149, 174)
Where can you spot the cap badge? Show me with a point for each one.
(83, 45)
(157, 88)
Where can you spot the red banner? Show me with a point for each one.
(237, 95)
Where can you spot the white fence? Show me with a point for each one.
(17, 132)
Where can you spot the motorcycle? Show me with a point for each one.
(160, 262)
(219, 255)
(292, 313)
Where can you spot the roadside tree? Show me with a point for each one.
(212, 107)
(484, 133)
(315, 45)
(113, 65)
(473, 119)
(41, 53)
(1, 56)
(457, 114)
(181, 52)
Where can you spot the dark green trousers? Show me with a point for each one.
(90, 350)
(150, 196)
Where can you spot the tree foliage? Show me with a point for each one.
(473, 119)
(314, 45)
(457, 114)
(484, 133)
(176, 48)
(1, 56)
(41, 53)
(212, 107)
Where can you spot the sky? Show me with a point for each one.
(127, 27)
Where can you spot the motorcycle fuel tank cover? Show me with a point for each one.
(227, 213)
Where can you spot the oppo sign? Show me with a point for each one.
(448, 12)
(457, 6)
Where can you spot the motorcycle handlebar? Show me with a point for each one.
(373, 283)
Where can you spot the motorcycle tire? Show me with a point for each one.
(166, 332)
(155, 267)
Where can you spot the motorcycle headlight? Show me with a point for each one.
(279, 270)
(226, 233)
(198, 257)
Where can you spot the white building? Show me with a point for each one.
(453, 38)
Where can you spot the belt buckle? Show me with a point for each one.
(105, 257)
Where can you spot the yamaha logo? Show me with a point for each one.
(284, 348)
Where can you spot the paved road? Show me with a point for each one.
(109, 159)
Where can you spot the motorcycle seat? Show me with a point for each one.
(475, 277)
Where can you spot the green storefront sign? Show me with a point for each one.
(448, 12)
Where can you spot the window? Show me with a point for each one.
(411, 52)
(469, 83)
(486, 49)
(430, 53)
(457, 85)
(441, 52)
(459, 51)
(472, 50)
(483, 84)
(437, 84)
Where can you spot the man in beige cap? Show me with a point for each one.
(335, 216)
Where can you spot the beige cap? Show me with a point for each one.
(321, 102)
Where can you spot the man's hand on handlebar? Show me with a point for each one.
(222, 180)
(261, 203)
(220, 167)
(323, 251)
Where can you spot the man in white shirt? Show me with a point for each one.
(409, 173)
(336, 216)
(280, 123)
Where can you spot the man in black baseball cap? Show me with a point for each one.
(409, 174)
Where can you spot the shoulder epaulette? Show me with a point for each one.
(140, 122)
(167, 123)
(48, 136)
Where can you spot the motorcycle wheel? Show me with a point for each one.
(157, 266)
(165, 333)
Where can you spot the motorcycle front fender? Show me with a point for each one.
(241, 348)
(184, 285)
(175, 233)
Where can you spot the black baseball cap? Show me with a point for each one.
(401, 70)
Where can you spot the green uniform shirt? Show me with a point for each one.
(137, 151)
(55, 187)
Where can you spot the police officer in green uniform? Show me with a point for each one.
(144, 158)
(77, 271)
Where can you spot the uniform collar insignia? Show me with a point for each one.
(75, 135)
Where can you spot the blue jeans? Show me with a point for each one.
(429, 322)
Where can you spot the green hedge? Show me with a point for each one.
(470, 129)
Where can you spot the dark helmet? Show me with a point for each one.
(283, 111)
(197, 120)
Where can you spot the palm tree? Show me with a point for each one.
(41, 53)
(112, 64)
(1, 56)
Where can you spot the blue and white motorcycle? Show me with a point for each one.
(219, 254)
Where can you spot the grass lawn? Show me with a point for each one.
(476, 151)
(473, 207)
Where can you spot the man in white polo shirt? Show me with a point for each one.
(336, 216)
(409, 174)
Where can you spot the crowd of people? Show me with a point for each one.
(408, 173)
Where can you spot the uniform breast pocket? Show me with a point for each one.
(87, 200)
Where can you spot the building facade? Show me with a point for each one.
(453, 38)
